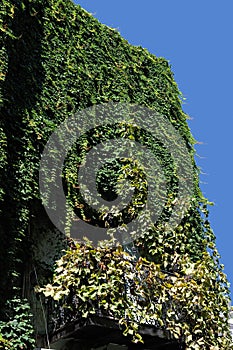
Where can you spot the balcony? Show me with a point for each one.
(102, 329)
(101, 332)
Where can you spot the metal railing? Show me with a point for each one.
(67, 311)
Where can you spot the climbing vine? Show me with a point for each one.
(184, 301)
(16, 332)
(56, 59)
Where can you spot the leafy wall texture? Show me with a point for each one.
(57, 59)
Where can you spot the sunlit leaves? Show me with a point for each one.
(187, 304)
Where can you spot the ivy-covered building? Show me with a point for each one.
(164, 289)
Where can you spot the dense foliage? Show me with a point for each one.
(110, 281)
(17, 332)
(57, 59)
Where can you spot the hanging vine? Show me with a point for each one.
(56, 59)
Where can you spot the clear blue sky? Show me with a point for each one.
(196, 37)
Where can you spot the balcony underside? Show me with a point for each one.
(104, 333)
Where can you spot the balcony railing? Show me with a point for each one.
(65, 313)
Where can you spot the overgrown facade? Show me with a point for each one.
(165, 290)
